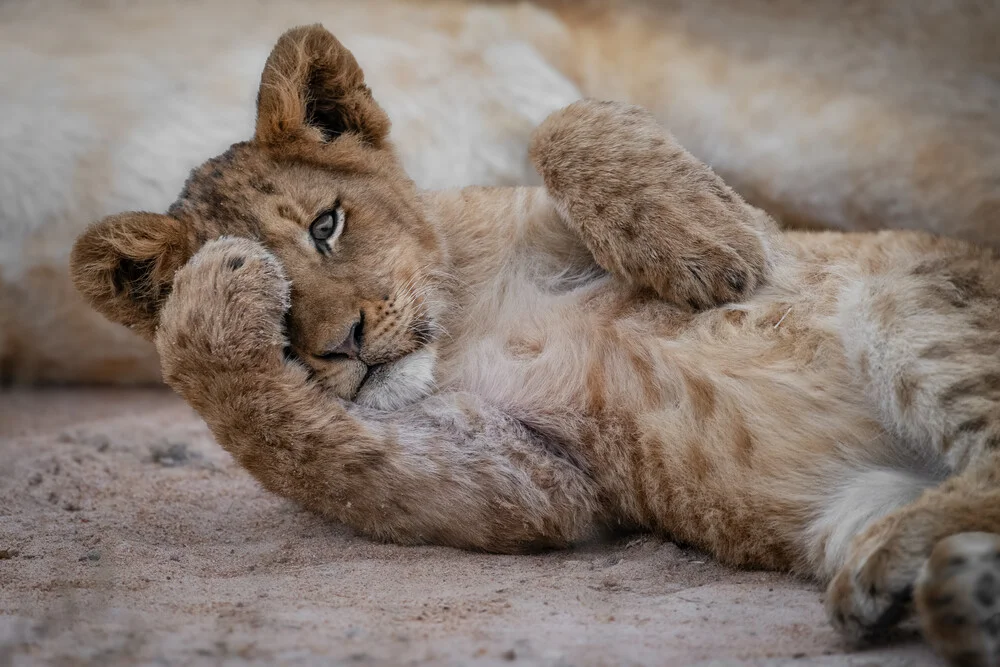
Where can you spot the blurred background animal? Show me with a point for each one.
(855, 114)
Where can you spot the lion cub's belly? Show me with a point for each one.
(746, 386)
(527, 343)
(653, 399)
(596, 348)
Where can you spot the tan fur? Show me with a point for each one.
(692, 239)
(852, 115)
(833, 98)
(632, 345)
(958, 595)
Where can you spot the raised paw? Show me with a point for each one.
(872, 592)
(225, 311)
(958, 599)
(648, 210)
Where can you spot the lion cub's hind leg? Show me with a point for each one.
(874, 588)
(924, 340)
(958, 599)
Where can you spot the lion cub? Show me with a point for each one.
(632, 345)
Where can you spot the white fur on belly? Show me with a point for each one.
(857, 503)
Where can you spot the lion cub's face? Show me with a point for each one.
(353, 241)
(320, 187)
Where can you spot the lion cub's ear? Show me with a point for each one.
(124, 266)
(313, 88)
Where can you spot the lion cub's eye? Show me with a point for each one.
(327, 228)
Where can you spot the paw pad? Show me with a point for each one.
(958, 599)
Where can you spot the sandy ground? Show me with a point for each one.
(127, 536)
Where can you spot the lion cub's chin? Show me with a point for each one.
(401, 382)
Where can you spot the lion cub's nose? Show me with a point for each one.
(350, 347)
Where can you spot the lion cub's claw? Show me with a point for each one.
(873, 591)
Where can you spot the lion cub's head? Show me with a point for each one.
(320, 186)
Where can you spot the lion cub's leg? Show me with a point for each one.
(448, 470)
(648, 210)
(874, 588)
(924, 339)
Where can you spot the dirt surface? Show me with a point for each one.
(127, 536)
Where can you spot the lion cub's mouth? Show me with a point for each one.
(395, 384)
(372, 370)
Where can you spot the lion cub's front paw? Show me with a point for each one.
(648, 210)
(226, 309)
